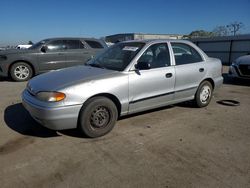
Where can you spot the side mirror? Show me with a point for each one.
(142, 65)
(44, 49)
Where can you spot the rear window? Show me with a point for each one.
(94, 44)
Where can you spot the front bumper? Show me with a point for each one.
(56, 118)
(4, 69)
(235, 72)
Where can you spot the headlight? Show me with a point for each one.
(233, 63)
(50, 96)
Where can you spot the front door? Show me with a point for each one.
(53, 57)
(153, 87)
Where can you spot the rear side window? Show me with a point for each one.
(94, 44)
(74, 44)
(185, 54)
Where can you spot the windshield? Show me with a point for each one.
(118, 56)
(38, 45)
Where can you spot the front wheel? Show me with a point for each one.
(97, 117)
(203, 95)
(21, 72)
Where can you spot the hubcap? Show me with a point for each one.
(100, 117)
(21, 72)
(205, 94)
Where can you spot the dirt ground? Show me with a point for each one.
(175, 146)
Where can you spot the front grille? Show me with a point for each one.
(244, 70)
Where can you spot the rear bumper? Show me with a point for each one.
(218, 82)
(56, 118)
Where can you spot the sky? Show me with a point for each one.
(33, 20)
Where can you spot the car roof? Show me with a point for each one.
(71, 38)
(78, 38)
(148, 41)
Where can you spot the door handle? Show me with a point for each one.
(201, 69)
(169, 75)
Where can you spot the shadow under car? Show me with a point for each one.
(19, 120)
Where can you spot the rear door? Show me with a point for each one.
(54, 57)
(153, 87)
(77, 53)
(190, 69)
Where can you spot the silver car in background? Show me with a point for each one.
(128, 77)
(240, 68)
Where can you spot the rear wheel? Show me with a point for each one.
(203, 95)
(21, 72)
(97, 117)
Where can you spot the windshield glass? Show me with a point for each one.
(38, 45)
(118, 56)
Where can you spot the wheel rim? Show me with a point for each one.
(21, 72)
(100, 117)
(205, 94)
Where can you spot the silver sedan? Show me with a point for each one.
(128, 77)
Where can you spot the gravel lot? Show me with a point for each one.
(176, 146)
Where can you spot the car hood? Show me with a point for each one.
(16, 51)
(243, 60)
(60, 79)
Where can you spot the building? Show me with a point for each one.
(139, 36)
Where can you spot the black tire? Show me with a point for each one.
(97, 117)
(21, 71)
(203, 94)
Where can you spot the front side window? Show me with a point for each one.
(185, 54)
(57, 45)
(38, 45)
(117, 57)
(156, 55)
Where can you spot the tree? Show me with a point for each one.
(221, 31)
(235, 27)
(200, 33)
